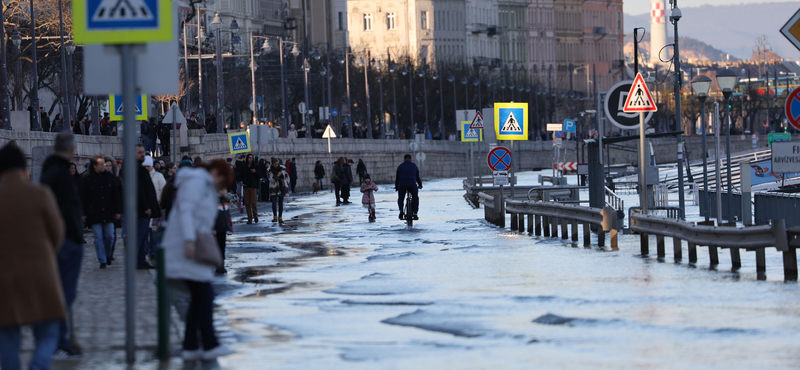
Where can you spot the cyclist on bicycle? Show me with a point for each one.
(407, 180)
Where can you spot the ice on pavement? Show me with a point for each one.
(332, 291)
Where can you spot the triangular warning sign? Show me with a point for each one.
(639, 98)
(477, 122)
(511, 124)
(138, 111)
(472, 134)
(239, 144)
(122, 10)
(329, 134)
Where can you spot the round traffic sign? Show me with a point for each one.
(793, 108)
(615, 101)
(421, 157)
(334, 112)
(499, 159)
(413, 146)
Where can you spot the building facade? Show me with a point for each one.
(541, 40)
(569, 43)
(603, 43)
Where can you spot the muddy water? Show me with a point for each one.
(331, 291)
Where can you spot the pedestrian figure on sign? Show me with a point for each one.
(368, 199)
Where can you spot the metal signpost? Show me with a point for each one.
(128, 27)
(640, 101)
(511, 123)
(175, 117)
(499, 160)
(717, 164)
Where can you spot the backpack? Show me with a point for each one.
(334, 176)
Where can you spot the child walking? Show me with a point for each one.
(368, 199)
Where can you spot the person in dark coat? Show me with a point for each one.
(103, 206)
(347, 180)
(61, 176)
(337, 178)
(292, 173)
(262, 169)
(164, 130)
(251, 180)
(152, 135)
(147, 208)
(361, 170)
(319, 173)
(45, 120)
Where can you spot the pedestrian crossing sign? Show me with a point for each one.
(469, 134)
(639, 98)
(239, 142)
(122, 21)
(115, 104)
(510, 121)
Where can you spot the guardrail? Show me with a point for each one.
(547, 193)
(613, 200)
(472, 191)
(751, 238)
(492, 209)
(543, 214)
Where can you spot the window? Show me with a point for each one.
(341, 21)
(423, 20)
(367, 21)
(391, 21)
(619, 21)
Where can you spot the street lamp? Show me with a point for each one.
(377, 64)
(265, 48)
(503, 88)
(435, 77)
(411, 125)
(466, 91)
(452, 80)
(16, 39)
(701, 85)
(477, 83)
(395, 126)
(727, 79)
(217, 21)
(345, 59)
(6, 108)
(425, 93)
(36, 120)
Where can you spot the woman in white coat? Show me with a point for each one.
(195, 210)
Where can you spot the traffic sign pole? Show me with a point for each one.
(511, 171)
(130, 165)
(642, 165)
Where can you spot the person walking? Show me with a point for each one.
(164, 132)
(361, 170)
(60, 175)
(58, 123)
(30, 285)
(158, 183)
(223, 225)
(194, 212)
(292, 174)
(278, 188)
(112, 168)
(251, 180)
(148, 209)
(45, 119)
(319, 173)
(368, 199)
(337, 177)
(347, 180)
(103, 207)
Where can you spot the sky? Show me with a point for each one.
(643, 6)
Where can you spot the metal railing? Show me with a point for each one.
(775, 206)
(543, 214)
(751, 238)
(613, 200)
(492, 209)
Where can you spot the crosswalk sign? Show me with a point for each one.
(115, 107)
(639, 98)
(122, 21)
(510, 121)
(469, 134)
(239, 142)
(477, 122)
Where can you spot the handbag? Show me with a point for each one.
(207, 251)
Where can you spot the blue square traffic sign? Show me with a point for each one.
(569, 125)
(120, 14)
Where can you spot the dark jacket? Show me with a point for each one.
(407, 175)
(250, 179)
(55, 175)
(319, 171)
(101, 198)
(147, 198)
(223, 223)
(291, 168)
(361, 168)
(347, 173)
(337, 176)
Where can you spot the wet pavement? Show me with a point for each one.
(330, 290)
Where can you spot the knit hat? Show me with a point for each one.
(366, 176)
(148, 161)
(11, 158)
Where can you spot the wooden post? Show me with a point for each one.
(530, 224)
(660, 246)
(790, 264)
(645, 244)
(554, 227)
(574, 230)
(564, 231)
(537, 225)
(692, 252)
(761, 260)
(736, 259)
(677, 249)
(513, 222)
(546, 226)
(601, 237)
(614, 238)
(587, 234)
(713, 255)
(521, 220)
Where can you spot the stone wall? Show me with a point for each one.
(445, 159)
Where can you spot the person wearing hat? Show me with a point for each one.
(185, 162)
(158, 183)
(368, 199)
(30, 285)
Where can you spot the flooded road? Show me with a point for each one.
(331, 291)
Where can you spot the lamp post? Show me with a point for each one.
(295, 52)
(395, 125)
(441, 106)
(489, 86)
(477, 83)
(377, 64)
(323, 74)
(422, 75)
(64, 91)
(16, 39)
(405, 71)
(6, 108)
(466, 91)
(452, 80)
(365, 64)
(503, 89)
(36, 120)
(727, 79)
(345, 59)
(701, 85)
(220, 99)
(264, 47)
(70, 48)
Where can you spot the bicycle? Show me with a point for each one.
(409, 213)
